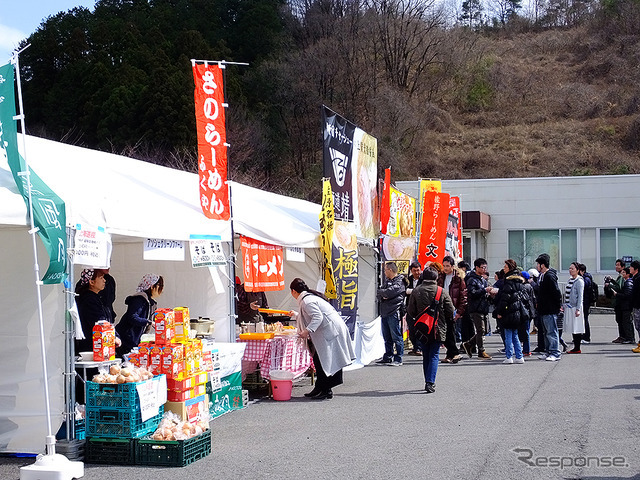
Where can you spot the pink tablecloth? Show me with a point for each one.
(278, 353)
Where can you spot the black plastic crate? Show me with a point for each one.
(114, 451)
(175, 453)
(119, 423)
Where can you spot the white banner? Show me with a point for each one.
(160, 249)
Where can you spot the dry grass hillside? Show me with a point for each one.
(542, 104)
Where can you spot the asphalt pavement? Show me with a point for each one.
(576, 418)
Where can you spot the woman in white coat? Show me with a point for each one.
(332, 349)
(572, 308)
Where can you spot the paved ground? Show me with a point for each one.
(582, 412)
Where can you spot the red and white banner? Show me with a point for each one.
(212, 138)
(433, 231)
(263, 266)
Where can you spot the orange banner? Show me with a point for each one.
(433, 230)
(263, 266)
(212, 137)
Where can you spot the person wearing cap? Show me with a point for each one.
(140, 308)
(549, 303)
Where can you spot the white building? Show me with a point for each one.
(594, 220)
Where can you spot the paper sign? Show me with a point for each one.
(152, 394)
(92, 247)
(295, 254)
(160, 249)
(206, 250)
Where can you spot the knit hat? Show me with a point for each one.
(148, 281)
(525, 275)
(533, 273)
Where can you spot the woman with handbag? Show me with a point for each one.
(332, 348)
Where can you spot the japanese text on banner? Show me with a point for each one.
(327, 222)
(263, 266)
(212, 136)
(433, 230)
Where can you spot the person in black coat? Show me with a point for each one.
(140, 308)
(510, 311)
(91, 308)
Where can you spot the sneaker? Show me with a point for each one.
(574, 350)
(508, 360)
(429, 387)
(552, 358)
(543, 356)
(618, 340)
(456, 359)
(586, 342)
(501, 351)
(628, 342)
(395, 364)
(383, 361)
(519, 360)
(528, 354)
(467, 348)
(484, 355)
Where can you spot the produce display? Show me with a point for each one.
(125, 374)
(172, 427)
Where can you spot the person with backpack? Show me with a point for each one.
(421, 299)
(512, 311)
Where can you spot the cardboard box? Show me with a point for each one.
(192, 410)
(163, 322)
(104, 341)
(182, 323)
(173, 360)
(197, 391)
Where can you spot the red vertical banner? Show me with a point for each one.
(263, 265)
(212, 140)
(433, 230)
(385, 204)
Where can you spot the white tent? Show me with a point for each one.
(133, 200)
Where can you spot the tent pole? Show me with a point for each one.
(69, 348)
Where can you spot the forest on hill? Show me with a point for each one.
(472, 90)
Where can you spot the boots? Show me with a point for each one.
(637, 349)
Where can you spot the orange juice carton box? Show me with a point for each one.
(182, 323)
(143, 354)
(163, 322)
(104, 341)
(173, 360)
(155, 359)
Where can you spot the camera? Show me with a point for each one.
(608, 279)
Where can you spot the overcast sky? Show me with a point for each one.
(20, 18)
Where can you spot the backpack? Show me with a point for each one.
(521, 298)
(594, 289)
(426, 324)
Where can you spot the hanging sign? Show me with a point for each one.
(92, 247)
(161, 249)
(433, 230)
(295, 254)
(206, 250)
(263, 266)
(212, 136)
(327, 222)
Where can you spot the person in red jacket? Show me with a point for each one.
(453, 283)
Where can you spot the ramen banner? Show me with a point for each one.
(345, 269)
(433, 228)
(402, 214)
(350, 162)
(262, 264)
(327, 223)
(453, 244)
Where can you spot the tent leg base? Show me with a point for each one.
(52, 467)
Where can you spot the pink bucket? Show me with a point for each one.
(281, 389)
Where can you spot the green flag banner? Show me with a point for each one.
(48, 209)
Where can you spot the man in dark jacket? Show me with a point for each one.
(420, 299)
(415, 270)
(454, 285)
(391, 297)
(549, 303)
(478, 307)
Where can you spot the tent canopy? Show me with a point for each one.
(138, 199)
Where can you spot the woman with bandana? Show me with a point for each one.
(140, 308)
(91, 308)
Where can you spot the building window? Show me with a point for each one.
(526, 245)
(618, 243)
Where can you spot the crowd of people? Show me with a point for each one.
(521, 302)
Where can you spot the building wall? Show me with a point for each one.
(582, 203)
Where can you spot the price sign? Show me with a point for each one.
(152, 394)
(206, 251)
(161, 249)
(92, 247)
